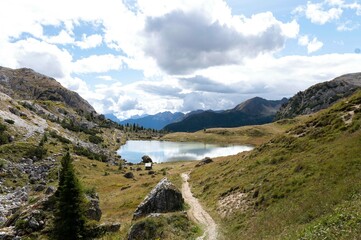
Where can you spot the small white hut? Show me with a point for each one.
(148, 166)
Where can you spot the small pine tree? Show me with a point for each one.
(70, 218)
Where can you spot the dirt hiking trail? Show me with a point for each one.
(197, 213)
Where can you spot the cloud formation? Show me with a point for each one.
(328, 11)
(182, 42)
(312, 45)
(202, 84)
(148, 56)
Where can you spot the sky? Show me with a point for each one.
(135, 57)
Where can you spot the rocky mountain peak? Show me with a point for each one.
(320, 96)
(26, 84)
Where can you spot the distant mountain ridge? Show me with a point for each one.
(320, 96)
(112, 117)
(157, 121)
(253, 111)
(26, 84)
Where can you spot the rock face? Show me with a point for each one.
(93, 210)
(164, 197)
(320, 96)
(11, 202)
(27, 84)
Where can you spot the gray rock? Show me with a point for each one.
(14, 111)
(7, 233)
(164, 197)
(50, 190)
(129, 175)
(204, 161)
(109, 227)
(34, 224)
(11, 138)
(33, 180)
(27, 161)
(39, 188)
(93, 211)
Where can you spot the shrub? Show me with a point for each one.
(81, 151)
(9, 121)
(95, 139)
(62, 139)
(38, 151)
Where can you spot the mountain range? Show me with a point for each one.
(157, 121)
(251, 112)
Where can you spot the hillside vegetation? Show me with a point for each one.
(302, 184)
(252, 135)
(39, 122)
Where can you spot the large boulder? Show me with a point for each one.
(93, 210)
(129, 175)
(100, 230)
(147, 159)
(164, 197)
(204, 161)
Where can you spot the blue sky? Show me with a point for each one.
(136, 57)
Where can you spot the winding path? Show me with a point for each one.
(197, 213)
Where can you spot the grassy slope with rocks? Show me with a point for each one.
(28, 121)
(302, 184)
(119, 196)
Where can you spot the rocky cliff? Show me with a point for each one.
(26, 84)
(320, 96)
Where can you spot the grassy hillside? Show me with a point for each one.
(303, 184)
(254, 135)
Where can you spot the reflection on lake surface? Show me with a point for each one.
(162, 151)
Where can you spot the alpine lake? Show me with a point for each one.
(164, 151)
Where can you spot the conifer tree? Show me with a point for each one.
(70, 218)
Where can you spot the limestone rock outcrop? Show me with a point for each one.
(165, 197)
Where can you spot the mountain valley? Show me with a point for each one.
(301, 181)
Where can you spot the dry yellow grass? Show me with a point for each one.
(119, 196)
(253, 135)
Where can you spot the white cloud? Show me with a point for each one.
(316, 13)
(91, 41)
(182, 42)
(312, 45)
(348, 26)
(45, 58)
(62, 38)
(98, 64)
(328, 11)
(303, 40)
